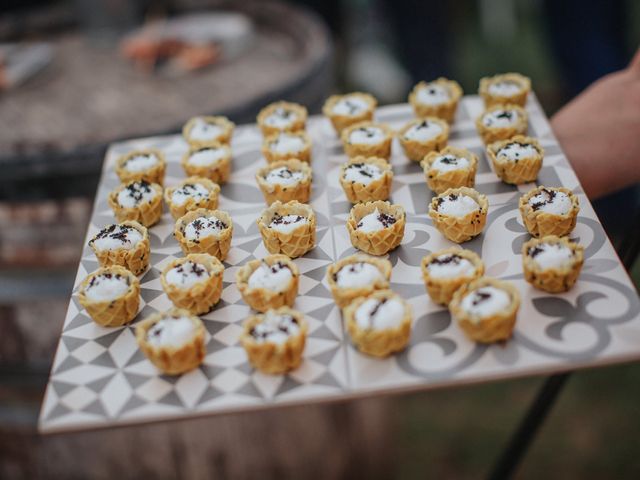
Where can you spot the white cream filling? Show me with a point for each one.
(515, 151)
(283, 176)
(448, 163)
(551, 255)
(367, 136)
(287, 143)
(450, 266)
(203, 227)
(375, 221)
(500, 118)
(363, 173)
(206, 157)
(375, 314)
(189, 190)
(423, 131)
(485, 301)
(357, 275)
(456, 205)
(551, 201)
(287, 223)
(141, 163)
(504, 88)
(171, 332)
(116, 237)
(276, 277)
(136, 193)
(350, 105)
(204, 131)
(281, 118)
(187, 274)
(275, 328)
(432, 94)
(106, 287)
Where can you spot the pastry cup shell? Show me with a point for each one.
(117, 312)
(303, 155)
(441, 290)
(216, 245)
(523, 170)
(155, 174)
(135, 260)
(519, 98)
(218, 172)
(262, 299)
(209, 203)
(224, 137)
(147, 213)
(340, 122)
(382, 241)
(446, 110)
(378, 189)
(460, 229)
(300, 191)
(344, 296)
(552, 280)
(439, 181)
(416, 149)
(494, 134)
(540, 224)
(298, 124)
(201, 297)
(381, 149)
(292, 244)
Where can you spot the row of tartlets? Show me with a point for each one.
(377, 319)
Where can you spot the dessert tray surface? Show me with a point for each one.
(100, 377)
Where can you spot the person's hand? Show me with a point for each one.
(600, 132)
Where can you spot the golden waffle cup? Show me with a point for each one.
(540, 224)
(383, 342)
(117, 312)
(295, 243)
(262, 299)
(519, 98)
(216, 245)
(201, 297)
(381, 150)
(298, 124)
(219, 172)
(344, 296)
(447, 110)
(340, 122)
(552, 280)
(382, 241)
(135, 260)
(303, 155)
(441, 290)
(495, 328)
(493, 134)
(169, 359)
(209, 203)
(439, 181)
(300, 191)
(415, 149)
(460, 229)
(224, 137)
(378, 189)
(270, 357)
(147, 213)
(155, 174)
(524, 170)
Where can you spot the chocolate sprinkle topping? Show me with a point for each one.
(280, 220)
(136, 190)
(480, 297)
(449, 160)
(384, 218)
(109, 232)
(550, 194)
(534, 251)
(282, 326)
(453, 258)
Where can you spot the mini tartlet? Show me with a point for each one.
(365, 179)
(516, 160)
(268, 283)
(125, 244)
(451, 167)
(505, 88)
(486, 309)
(288, 228)
(376, 227)
(173, 340)
(274, 341)
(111, 296)
(459, 213)
(190, 194)
(205, 131)
(379, 324)
(205, 231)
(357, 276)
(285, 180)
(138, 200)
(287, 145)
(212, 161)
(193, 282)
(501, 122)
(549, 211)
(422, 136)
(447, 270)
(367, 139)
(346, 110)
(282, 117)
(438, 98)
(552, 263)
(148, 165)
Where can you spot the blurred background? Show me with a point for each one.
(76, 75)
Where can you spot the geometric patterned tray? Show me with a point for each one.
(100, 378)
